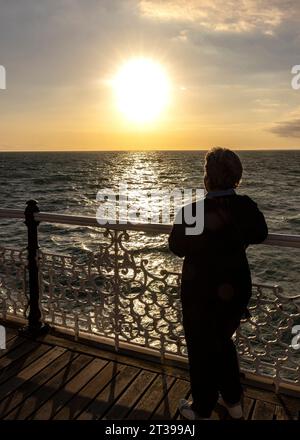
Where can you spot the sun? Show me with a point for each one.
(142, 90)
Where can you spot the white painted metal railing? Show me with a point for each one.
(117, 297)
(284, 240)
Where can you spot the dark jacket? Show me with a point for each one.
(216, 274)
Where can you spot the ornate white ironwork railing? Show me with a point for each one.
(117, 297)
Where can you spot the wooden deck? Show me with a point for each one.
(59, 379)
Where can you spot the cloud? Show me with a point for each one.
(238, 40)
(236, 16)
(286, 129)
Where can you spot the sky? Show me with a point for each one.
(228, 64)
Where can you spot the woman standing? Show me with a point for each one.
(216, 285)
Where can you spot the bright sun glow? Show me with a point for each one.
(142, 90)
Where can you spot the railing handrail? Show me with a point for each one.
(284, 240)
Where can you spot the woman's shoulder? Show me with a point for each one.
(235, 202)
(243, 199)
(246, 205)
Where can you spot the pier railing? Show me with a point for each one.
(128, 303)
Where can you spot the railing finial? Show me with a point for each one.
(32, 206)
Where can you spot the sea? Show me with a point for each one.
(68, 182)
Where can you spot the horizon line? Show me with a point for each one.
(142, 150)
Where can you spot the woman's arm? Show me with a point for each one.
(183, 244)
(177, 238)
(255, 228)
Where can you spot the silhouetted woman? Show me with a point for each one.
(216, 285)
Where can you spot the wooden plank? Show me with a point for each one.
(81, 400)
(263, 411)
(94, 350)
(291, 404)
(131, 395)
(248, 405)
(16, 397)
(12, 369)
(110, 394)
(36, 400)
(10, 337)
(169, 405)
(27, 373)
(261, 394)
(280, 413)
(11, 345)
(152, 398)
(20, 350)
(69, 389)
(10, 333)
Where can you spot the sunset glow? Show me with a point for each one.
(142, 90)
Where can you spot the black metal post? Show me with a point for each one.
(35, 326)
